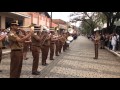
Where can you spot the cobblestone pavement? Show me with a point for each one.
(77, 62)
(26, 68)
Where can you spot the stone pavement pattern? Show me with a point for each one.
(77, 62)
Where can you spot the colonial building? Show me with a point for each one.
(25, 19)
(7, 17)
(41, 19)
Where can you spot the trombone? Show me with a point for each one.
(27, 28)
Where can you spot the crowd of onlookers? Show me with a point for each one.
(112, 41)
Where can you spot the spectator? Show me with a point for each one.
(117, 44)
(102, 41)
(109, 43)
(113, 41)
(106, 39)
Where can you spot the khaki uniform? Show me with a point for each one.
(45, 49)
(0, 51)
(35, 48)
(52, 47)
(65, 44)
(57, 47)
(26, 46)
(61, 43)
(16, 55)
(96, 42)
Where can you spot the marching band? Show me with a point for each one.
(22, 37)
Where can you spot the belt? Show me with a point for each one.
(16, 50)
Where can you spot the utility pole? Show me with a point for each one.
(51, 20)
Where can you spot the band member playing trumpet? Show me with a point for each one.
(57, 44)
(45, 44)
(26, 46)
(61, 42)
(52, 44)
(96, 42)
(16, 41)
(65, 39)
(35, 48)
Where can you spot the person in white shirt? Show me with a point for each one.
(113, 42)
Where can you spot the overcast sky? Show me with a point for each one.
(61, 15)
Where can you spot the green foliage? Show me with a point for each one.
(90, 20)
(111, 18)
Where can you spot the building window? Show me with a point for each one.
(8, 21)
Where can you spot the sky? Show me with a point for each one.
(62, 15)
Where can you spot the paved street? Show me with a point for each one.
(77, 62)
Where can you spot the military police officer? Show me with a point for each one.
(16, 41)
(52, 44)
(45, 45)
(35, 47)
(96, 42)
(65, 39)
(57, 44)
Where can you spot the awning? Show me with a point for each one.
(20, 14)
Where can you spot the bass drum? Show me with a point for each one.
(70, 38)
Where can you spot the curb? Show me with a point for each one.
(116, 54)
(5, 52)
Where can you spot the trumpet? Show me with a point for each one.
(27, 28)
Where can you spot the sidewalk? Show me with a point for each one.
(117, 53)
(6, 51)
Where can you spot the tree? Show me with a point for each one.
(93, 19)
(86, 28)
(111, 18)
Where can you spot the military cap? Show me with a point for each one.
(15, 22)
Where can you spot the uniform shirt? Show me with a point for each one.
(14, 44)
(62, 39)
(0, 44)
(97, 38)
(52, 39)
(45, 41)
(35, 38)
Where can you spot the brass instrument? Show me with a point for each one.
(69, 38)
(32, 26)
(70, 30)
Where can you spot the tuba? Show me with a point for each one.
(69, 39)
(70, 30)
